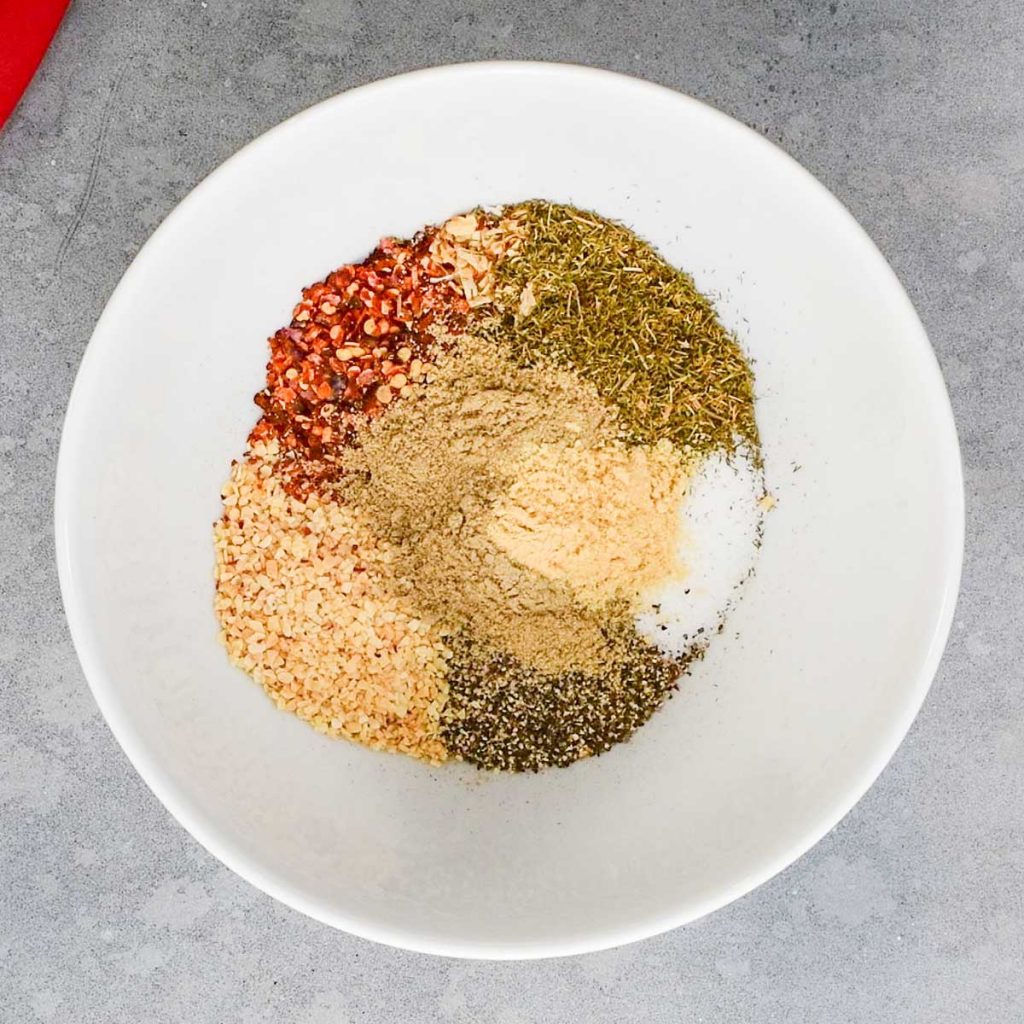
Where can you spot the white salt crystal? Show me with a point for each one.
(721, 518)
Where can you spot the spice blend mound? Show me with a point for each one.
(468, 480)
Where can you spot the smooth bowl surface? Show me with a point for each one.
(800, 702)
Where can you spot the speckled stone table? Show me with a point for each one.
(912, 910)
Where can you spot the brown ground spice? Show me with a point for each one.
(426, 475)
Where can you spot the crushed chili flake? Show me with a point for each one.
(350, 335)
(364, 335)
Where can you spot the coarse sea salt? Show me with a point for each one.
(721, 522)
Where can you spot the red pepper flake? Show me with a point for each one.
(360, 338)
(349, 335)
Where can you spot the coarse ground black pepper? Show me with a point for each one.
(504, 715)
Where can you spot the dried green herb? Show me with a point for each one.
(589, 294)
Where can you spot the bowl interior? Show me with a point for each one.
(799, 702)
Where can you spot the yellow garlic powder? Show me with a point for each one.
(604, 520)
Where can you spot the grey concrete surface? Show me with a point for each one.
(913, 908)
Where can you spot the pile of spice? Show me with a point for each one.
(470, 497)
(587, 293)
(431, 475)
(309, 605)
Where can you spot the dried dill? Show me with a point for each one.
(588, 294)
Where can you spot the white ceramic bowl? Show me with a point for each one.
(798, 706)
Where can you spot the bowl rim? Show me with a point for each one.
(206, 831)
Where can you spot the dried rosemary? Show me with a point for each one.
(589, 294)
